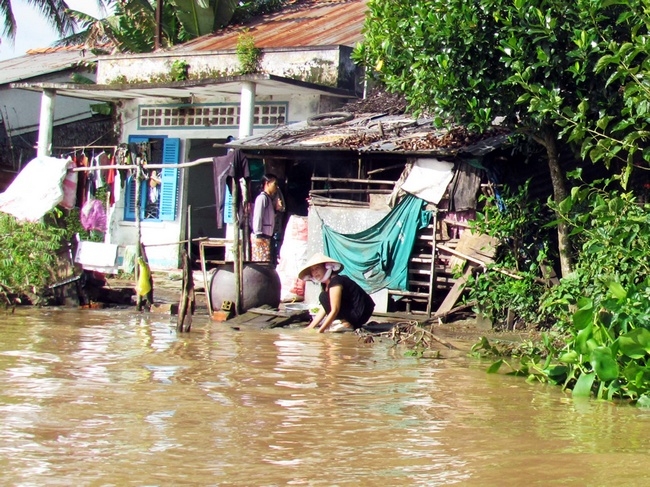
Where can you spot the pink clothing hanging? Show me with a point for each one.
(93, 216)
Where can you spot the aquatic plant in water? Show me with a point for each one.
(602, 310)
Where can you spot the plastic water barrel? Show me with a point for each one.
(261, 285)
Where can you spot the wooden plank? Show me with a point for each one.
(397, 316)
(461, 258)
(454, 293)
(411, 294)
(477, 246)
(247, 317)
(270, 318)
(270, 312)
(251, 320)
(483, 264)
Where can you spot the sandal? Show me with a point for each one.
(340, 327)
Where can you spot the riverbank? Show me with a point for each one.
(462, 329)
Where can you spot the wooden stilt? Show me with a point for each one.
(187, 303)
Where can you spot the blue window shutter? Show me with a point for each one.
(169, 177)
(129, 199)
(227, 207)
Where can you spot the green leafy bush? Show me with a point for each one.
(518, 223)
(179, 70)
(248, 55)
(28, 254)
(603, 308)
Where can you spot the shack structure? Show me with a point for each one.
(347, 172)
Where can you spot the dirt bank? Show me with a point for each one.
(462, 330)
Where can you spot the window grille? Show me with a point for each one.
(208, 116)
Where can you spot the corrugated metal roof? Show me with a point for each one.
(304, 23)
(42, 62)
(376, 132)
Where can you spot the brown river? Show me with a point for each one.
(118, 398)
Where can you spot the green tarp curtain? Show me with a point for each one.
(378, 257)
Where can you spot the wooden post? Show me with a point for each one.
(237, 264)
(432, 275)
(189, 232)
(187, 303)
(157, 39)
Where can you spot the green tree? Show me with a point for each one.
(132, 25)
(533, 62)
(619, 131)
(55, 11)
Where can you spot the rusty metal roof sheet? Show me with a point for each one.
(303, 23)
(376, 132)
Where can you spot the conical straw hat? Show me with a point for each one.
(316, 259)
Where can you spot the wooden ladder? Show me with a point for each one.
(422, 272)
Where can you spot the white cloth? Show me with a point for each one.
(97, 256)
(100, 159)
(36, 190)
(428, 179)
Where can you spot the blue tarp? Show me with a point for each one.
(378, 257)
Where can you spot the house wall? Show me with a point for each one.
(328, 66)
(155, 235)
(123, 233)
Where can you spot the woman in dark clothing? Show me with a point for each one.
(342, 299)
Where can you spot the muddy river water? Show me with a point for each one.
(118, 398)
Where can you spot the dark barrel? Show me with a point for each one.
(260, 283)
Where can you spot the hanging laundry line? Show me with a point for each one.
(84, 147)
(205, 160)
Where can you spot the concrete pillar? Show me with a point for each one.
(46, 122)
(246, 109)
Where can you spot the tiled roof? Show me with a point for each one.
(303, 23)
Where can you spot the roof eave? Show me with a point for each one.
(185, 90)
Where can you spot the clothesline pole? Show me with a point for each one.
(138, 247)
(84, 147)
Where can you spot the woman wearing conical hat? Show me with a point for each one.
(344, 303)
